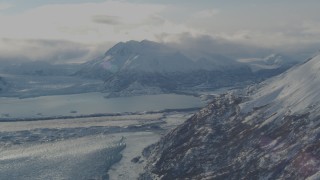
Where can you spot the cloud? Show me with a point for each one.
(310, 28)
(105, 19)
(78, 32)
(195, 45)
(208, 13)
(224, 28)
(4, 6)
(198, 45)
(286, 40)
(82, 22)
(54, 51)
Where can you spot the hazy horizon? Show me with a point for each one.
(78, 30)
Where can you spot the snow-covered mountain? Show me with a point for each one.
(270, 132)
(152, 57)
(159, 68)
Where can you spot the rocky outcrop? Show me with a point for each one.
(220, 142)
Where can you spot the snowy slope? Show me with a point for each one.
(144, 56)
(271, 134)
(147, 56)
(292, 91)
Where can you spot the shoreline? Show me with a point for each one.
(96, 115)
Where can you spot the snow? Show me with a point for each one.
(292, 91)
(82, 148)
(173, 120)
(129, 61)
(316, 176)
(151, 57)
(136, 142)
(71, 148)
(81, 158)
(126, 169)
(123, 121)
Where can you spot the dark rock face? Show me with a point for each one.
(217, 143)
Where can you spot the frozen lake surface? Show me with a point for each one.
(73, 148)
(79, 158)
(82, 148)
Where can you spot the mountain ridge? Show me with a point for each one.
(155, 57)
(154, 65)
(247, 137)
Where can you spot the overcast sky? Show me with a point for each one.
(79, 29)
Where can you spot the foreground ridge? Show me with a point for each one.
(263, 136)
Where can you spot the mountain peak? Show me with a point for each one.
(136, 47)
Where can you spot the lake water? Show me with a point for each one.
(92, 103)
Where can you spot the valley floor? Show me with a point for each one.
(83, 148)
(85, 136)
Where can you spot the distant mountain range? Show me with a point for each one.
(148, 67)
(140, 68)
(269, 131)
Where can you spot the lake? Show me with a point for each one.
(92, 103)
